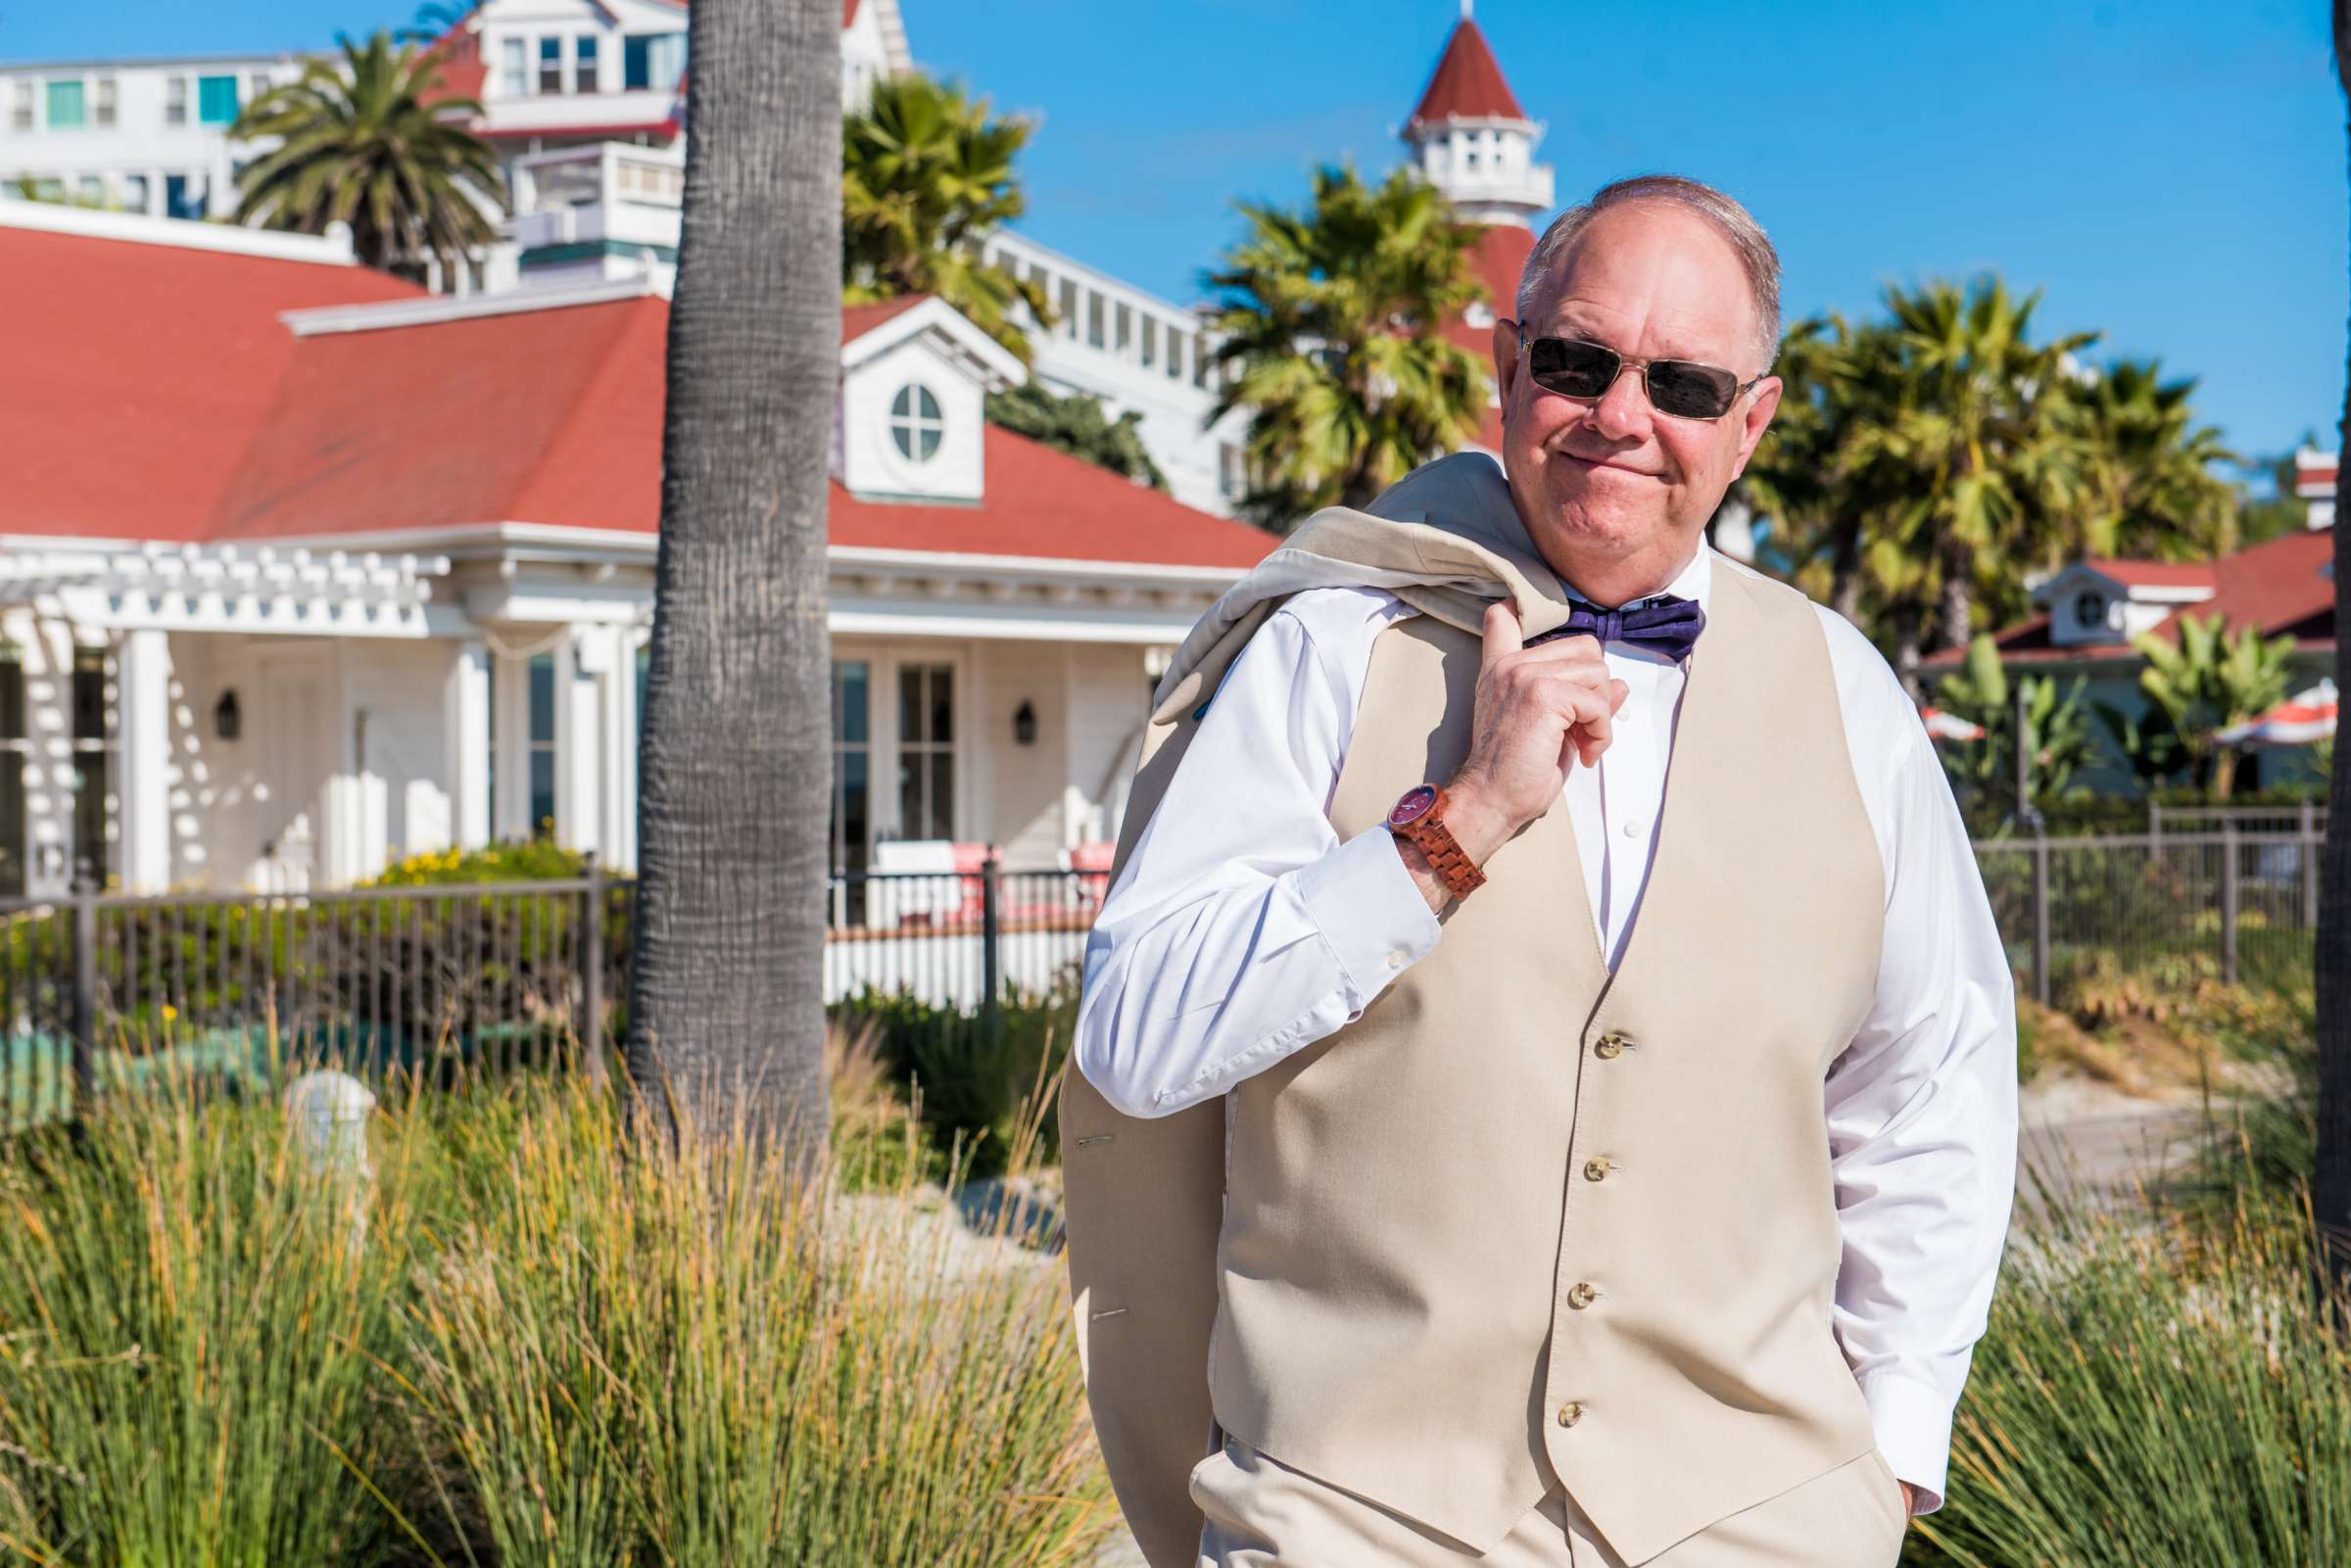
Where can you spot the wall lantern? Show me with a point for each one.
(1023, 724)
(227, 721)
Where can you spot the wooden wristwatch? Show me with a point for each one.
(1420, 816)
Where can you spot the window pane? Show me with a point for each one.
(215, 99)
(636, 63)
(550, 64)
(543, 697)
(1094, 312)
(543, 791)
(585, 70)
(12, 697)
(89, 694)
(929, 404)
(902, 404)
(11, 825)
(65, 104)
(942, 795)
(910, 796)
(105, 100)
(90, 814)
(910, 704)
(942, 704)
(515, 67)
(929, 444)
(853, 827)
(849, 720)
(668, 60)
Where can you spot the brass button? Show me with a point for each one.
(1570, 1413)
(1595, 1169)
(1580, 1295)
(1609, 1044)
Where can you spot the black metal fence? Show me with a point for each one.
(101, 989)
(2235, 907)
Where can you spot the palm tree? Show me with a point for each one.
(1980, 446)
(369, 143)
(734, 758)
(924, 174)
(2330, 1193)
(2151, 487)
(1336, 320)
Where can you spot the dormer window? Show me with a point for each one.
(2090, 610)
(916, 423)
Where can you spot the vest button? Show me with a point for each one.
(1570, 1413)
(1610, 1045)
(1580, 1295)
(1596, 1169)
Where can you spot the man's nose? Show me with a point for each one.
(1624, 411)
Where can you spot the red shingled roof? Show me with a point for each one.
(136, 374)
(2153, 574)
(1467, 83)
(856, 321)
(554, 416)
(2277, 587)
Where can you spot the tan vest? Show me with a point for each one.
(1521, 1219)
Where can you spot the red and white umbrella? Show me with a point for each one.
(1943, 725)
(2299, 720)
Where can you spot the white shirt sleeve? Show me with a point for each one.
(1241, 928)
(1921, 1107)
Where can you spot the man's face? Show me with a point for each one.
(1608, 488)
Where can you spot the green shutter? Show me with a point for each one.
(65, 104)
(215, 99)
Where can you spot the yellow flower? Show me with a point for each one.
(169, 1011)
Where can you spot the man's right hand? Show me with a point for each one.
(1539, 711)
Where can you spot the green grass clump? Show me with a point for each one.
(190, 1315)
(2153, 1389)
(538, 1336)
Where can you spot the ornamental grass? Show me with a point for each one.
(2157, 1386)
(536, 1336)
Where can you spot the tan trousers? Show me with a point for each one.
(1262, 1514)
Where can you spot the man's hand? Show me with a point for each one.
(1539, 711)
(1910, 1500)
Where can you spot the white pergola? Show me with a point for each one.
(226, 587)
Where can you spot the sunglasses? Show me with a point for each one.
(1682, 388)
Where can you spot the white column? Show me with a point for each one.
(616, 709)
(143, 759)
(584, 654)
(466, 708)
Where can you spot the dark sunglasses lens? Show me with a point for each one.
(1576, 369)
(1690, 391)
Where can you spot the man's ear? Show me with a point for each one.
(1506, 358)
(1762, 402)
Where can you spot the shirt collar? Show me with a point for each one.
(1692, 582)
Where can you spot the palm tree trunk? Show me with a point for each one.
(2330, 1195)
(725, 1004)
(1845, 574)
(1957, 619)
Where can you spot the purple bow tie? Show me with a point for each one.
(1664, 623)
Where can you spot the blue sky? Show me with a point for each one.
(2170, 173)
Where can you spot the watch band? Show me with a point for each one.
(1446, 857)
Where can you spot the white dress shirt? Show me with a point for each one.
(1241, 928)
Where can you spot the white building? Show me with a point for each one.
(136, 135)
(302, 570)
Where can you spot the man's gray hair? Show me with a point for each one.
(1731, 220)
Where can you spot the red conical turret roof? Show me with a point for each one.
(1467, 83)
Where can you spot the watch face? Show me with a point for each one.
(1413, 806)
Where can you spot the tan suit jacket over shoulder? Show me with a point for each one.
(1522, 1220)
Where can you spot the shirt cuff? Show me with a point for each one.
(1370, 911)
(1912, 1422)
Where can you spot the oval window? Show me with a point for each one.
(916, 423)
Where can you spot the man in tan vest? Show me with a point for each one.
(1546, 1076)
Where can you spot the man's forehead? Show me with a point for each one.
(1669, 332)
